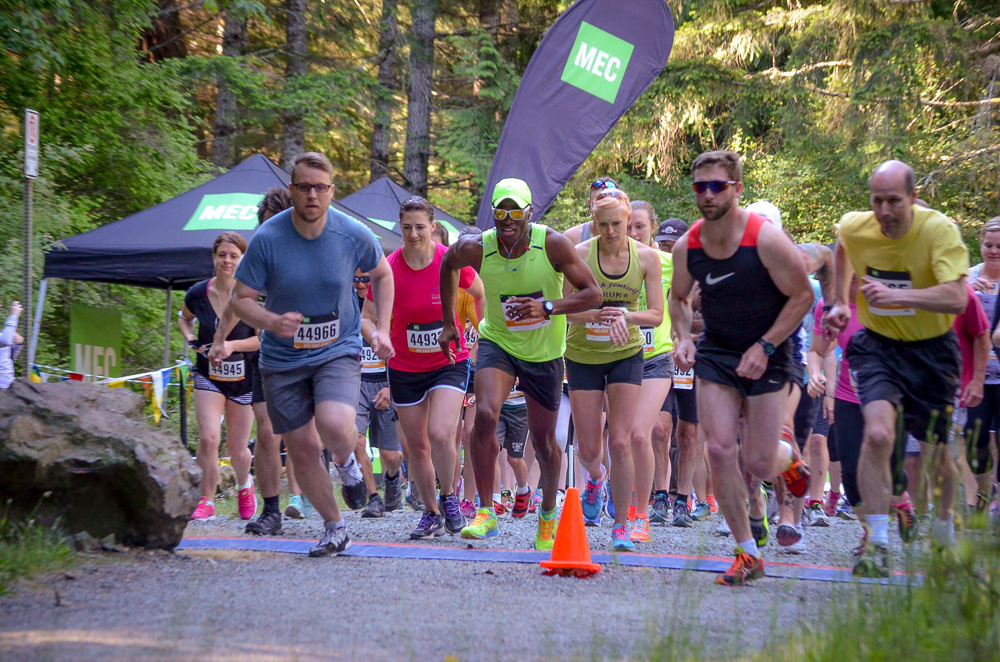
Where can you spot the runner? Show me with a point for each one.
(377, 417)
(305, 258)
(512, 434)
(743, 359)
(9, 339)
(584, 231)
(522, 335)
(267, 450)
(983, 419)
(657, 372)
(604, 353)
(907, 355)
(426, 388)
(225, 387)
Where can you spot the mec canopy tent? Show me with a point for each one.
(169, 245)
(380, 202)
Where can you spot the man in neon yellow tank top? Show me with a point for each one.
(522, 335)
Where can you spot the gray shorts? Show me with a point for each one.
(660, 366)
(379, 423)
(512, 430)
(292, 394)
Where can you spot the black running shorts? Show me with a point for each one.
(716, 364)
(540, 381)
(598, 376)
(410, 388)
(920, 376)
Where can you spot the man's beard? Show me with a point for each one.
(719, 211)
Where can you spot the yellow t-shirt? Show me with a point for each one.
(931, 253)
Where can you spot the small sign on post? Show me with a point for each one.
(31, 144)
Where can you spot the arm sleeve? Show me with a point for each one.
(252, 271)
(949, 256)
(7, 336)
(369, 250)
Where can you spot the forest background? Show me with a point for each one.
(144, 99)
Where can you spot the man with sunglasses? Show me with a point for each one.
(305, 258)
(522, 336)
(584, 231)
(754, 294)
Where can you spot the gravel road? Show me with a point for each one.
(249, 606)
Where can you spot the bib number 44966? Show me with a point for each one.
(317, 331)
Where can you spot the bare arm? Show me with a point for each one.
(652, 271)
(679, 306)
(592, 316)
(185, 322)
(973, 393)
(478, 292)
(839, 315)
(368, 320)
(586, 293)
(383, 290)
(818, 261)
(245, 307)
(949, 298)
(467, 251)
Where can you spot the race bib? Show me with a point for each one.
(526, 323)
(423, 338)
(370, 362)
(684, 381)
(317, 331)
(515, 394)
(598, 332)
(228, 371)
(471, 337)
(647, 339)
(897, 280)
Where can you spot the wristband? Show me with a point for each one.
(827, 308)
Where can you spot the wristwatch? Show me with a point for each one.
(548, 307)
(769, 348)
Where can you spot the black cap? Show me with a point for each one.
(671, 230)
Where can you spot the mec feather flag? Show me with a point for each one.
(592, 65)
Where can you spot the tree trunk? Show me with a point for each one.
(388, 85)
(418, 119)
(489, 15)
(294, 142)
(234, 44)
(163, 38)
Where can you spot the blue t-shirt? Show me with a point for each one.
(313, 277)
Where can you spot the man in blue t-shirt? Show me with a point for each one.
(304, 258)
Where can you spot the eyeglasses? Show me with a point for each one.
(362, 279)
(514, 214)
(715, 186)
(615, 193)
(603, 183)
(319, 188)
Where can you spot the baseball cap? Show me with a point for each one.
(515, 189)
(768, 210)
(671, 229)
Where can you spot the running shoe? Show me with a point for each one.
(620, 539)
(830, 505)
(744, 569)
(590, 500)
(394, 492)
(522, 502)
(413, 500)
(536, 501)
(873, 562)
(307, 508)
(429, 526)
(352, 484)
(702, 512)
(608, 508)
(682, 515)
(659, 513)
(640, 529)
(723, 529)
(632, 507)
(760, 530)
(507, 499)
(906, 515)
(205, 510)
(268, 524)
(483, 526)
(771, 498)
(247, 499)
(499, 509)
(799, 547)
(294, 508)
(546, 535)
(454, 520)
(787, 535)
(560, 498)
(844, 511)
(375, 507)
(815, 515)
(468, 509)
(796, 477)
(859, 551)
(331, 543)
(712, 504)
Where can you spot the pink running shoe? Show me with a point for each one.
(248, 501)
(205, 510)
(468, 509)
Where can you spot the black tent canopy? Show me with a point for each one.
(169, 245)
(380, 202)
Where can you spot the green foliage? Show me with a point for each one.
(28, 549)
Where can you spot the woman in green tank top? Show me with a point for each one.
(604, 354)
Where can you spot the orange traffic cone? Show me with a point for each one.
(570, 551)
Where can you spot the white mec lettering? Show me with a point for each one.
(95, 360)
(598, 62)
(228, 212)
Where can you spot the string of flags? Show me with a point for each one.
(154, 382)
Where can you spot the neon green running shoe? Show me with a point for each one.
(760, 531)
(483, 526)
(546, 535)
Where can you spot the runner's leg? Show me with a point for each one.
(208, 408)
(492, 387)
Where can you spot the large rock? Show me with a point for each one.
(107, 470)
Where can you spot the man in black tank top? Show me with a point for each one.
(754, 294)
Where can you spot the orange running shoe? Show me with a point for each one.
(712, 504)
(743, 570)
(632, 507)
(640, 529)
(797, 477)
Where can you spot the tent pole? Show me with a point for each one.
(166, 327)
(37, 322)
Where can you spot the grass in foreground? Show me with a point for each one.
(28, 549)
